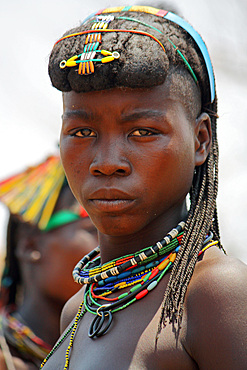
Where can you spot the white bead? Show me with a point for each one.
(152, 285)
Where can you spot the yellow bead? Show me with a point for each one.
(105, 52)
(71, 61)
(107, 59)
(122, 284)
(163, 264)
(173, 257)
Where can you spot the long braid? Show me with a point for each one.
(202, 218)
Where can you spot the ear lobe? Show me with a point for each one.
(203, 138)
(27, 251)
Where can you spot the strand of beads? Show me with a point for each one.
(83, 274)
(149, 280)
(22, 337)
(138, 291)
(125, 279)
(72, 336)
(79, 316)
(103, 313)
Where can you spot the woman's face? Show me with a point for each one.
(61, 249)
(129, 155)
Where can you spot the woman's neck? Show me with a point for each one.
(112, 247)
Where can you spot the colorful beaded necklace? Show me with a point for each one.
(86, 272)
(141, 271)
(21, 337)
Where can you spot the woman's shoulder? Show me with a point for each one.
(216, 312)
(70, 309)
(218, 273)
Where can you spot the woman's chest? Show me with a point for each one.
(128, 344)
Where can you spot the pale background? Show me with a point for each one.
(30, 109)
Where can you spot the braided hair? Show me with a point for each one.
(11, 282)
(143, 63)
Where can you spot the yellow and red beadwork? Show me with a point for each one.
(91, 50)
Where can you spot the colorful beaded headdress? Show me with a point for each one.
(32, 195)
(91, 53)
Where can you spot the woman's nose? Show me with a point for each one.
(110, 159)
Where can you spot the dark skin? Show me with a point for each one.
(129, 156)
(51, 285)
(48, 281)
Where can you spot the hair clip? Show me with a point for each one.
(86, 59)
(177, 20)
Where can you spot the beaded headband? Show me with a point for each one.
(87, 59)
(32, 195)
(65, 216)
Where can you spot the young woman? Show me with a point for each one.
(139, 148)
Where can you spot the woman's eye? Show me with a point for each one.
(85, 132)
(142, 132)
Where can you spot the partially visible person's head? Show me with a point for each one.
(141, 48)
(45, 258)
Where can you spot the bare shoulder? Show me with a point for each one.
(219, 274)
(216, 307)
(70, 309)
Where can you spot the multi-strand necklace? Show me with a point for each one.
(137, 273)
(22, 338)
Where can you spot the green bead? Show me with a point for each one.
(135, 287)
(147, 276)
(122, 295)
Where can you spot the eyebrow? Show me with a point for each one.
(154, 114)
(125, 117)
(80, 113)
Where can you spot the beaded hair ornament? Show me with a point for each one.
(92, 54)
(32, 195)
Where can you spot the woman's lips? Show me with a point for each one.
(110, 200)
(111, 205)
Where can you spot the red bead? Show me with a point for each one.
(142, 294)
(154, 273)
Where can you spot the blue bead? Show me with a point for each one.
(150, 265)
(124, 274)
(111, 279)
(138, 269)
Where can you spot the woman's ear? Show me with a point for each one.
(27, 251)
(203, 138)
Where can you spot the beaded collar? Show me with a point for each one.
(141, 272)
(82, 273)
